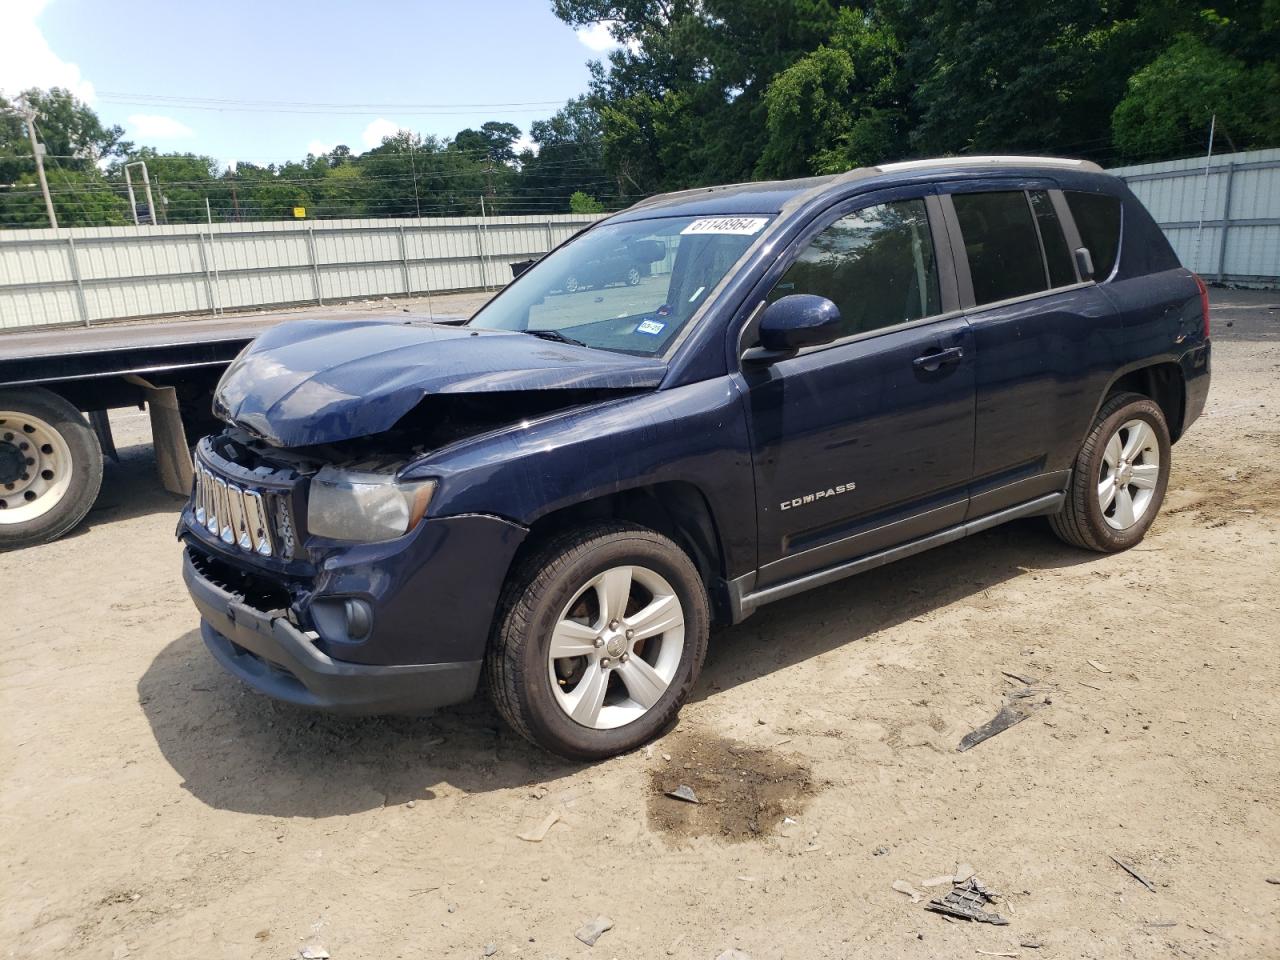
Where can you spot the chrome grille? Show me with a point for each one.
(235, 515)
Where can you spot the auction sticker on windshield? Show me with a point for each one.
(738, 226)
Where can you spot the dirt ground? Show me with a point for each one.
(152, 807)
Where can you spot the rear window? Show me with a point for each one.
(1097, 218)
(1001, 245)
(1056, 255)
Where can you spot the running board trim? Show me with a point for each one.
(744, 604)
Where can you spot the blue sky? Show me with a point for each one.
(432, 54)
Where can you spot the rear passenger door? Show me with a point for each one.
(1045, 339)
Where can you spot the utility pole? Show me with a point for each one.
(37, 149)
(133, 203)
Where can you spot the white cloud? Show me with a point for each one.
(318, 148)
(597, 37)
(25, 57)
(151, 126)
(377, 131)
(525, 142)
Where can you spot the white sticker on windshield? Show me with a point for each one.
(650, 327)
(739, 226)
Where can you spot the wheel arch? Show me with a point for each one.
(1163, 382)
(675, 508)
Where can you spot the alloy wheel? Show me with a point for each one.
(1129, 474)
(616, 647)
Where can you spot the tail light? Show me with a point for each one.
(1204, 304)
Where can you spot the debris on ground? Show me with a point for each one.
(938, 881)
(1025, 681)
(539, 833)
(733, 953)
(490, 949)
(996, 953)
(1018, 705)
(1097, 666)
(1275, 880)
(963, 872)
(880, 851)
(313, 952)
(684, 792)
(966, 902)
(590, 932)
(1133, 873)
(903, 887)
(1031, 944)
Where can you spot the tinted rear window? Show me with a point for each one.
(1056, 255)
(1097, 218)
(1001, 244)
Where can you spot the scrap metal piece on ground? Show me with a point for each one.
(1018, 706)
(1025, 681)
(903, 887)
(590, 932)
(967, 902)
(684, 792)
(1133, 873)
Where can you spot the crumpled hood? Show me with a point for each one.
(319, 381)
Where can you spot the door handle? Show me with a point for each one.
(938, 358)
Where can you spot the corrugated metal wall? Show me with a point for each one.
(86, 274)
(1238, 202)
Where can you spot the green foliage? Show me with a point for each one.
(1170, 102)
(580, 202)
(715, 91)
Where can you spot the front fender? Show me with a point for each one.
(694, 433)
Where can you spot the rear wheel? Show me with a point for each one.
(599, 640)
(50, 467)
(633, 277)
(1119, 479)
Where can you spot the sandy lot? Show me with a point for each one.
(151, 807)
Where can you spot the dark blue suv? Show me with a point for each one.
(811, 378)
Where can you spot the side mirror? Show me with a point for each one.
(787, 325)
(1084, 262)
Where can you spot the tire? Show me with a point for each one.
(633, 277)
(1084, 521)
(566, 579)
(50, 467)
(573, 286)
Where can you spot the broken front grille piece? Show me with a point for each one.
(235, 515)
(967, 901)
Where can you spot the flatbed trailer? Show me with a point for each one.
(57, 385)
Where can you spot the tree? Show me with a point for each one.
(1169, 103)
(580, 202)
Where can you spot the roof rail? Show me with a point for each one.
(989, 161)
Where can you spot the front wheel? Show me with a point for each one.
(50, 467)
(1119, 478)
(599, 639)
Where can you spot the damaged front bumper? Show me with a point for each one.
(276, 658)
(395, 627)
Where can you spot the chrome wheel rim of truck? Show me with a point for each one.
(1130, 474)
(616, 647)
(35, 467)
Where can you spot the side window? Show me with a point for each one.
(1058, 258)
(1097, 217)
(1001, 245)
(876, 265)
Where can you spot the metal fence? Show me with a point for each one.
(1222, 217)
(87, 274)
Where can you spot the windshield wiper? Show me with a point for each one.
(555, 335)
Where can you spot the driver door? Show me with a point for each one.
(866, 442)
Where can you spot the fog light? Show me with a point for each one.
(359, 619)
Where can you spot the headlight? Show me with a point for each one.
(365, 507)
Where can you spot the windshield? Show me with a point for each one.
(629, 287)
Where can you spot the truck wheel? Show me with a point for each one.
(1119, 479)
(50, 467)
(598, 640)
